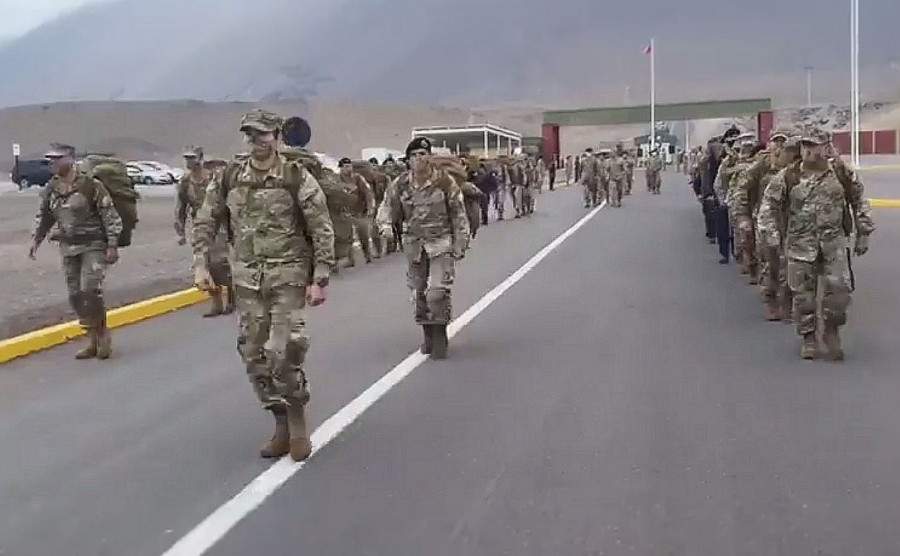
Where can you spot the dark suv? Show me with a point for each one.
(32, 172)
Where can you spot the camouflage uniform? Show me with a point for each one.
(378, 188)
(283, 241)
(629, 173)
(87, 225)
(357, 186)
(570, 169)
(189, 194)
(750, 185)
(653, 177)
(591, 171)
(616, 170)
(814, 209)
(519, 186)
(436, 232)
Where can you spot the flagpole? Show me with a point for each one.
(652, 95)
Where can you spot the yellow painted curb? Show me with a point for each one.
(876, 167)
(893, 203)
(45, 338)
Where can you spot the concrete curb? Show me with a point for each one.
(891, 203)
(45, 338)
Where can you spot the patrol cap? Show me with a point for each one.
(373, 160)
(816, 136)
(344, 162)
(193, 152)
(60, 150)
(261, 120)
(418, 144)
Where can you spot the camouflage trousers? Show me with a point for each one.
(377, 242)
(273, 341)
(629, 181)
(614, 190)
(85, 274)
(431, 280)
(343, 236)
(361, 227)
(523, 199)
(499, 200)
(654, 181)
(831, 270)
(591, 193)
(773, 275)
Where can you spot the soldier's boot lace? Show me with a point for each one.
(832, 340)
(280, 443)
(216, 309)
(104, 341)
(808, 347)
(301, 447)
(440, 341)
(427, 344)
(89, 351)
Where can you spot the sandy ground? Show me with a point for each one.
(34, 292)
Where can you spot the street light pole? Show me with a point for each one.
(854, 82)
(809, 86)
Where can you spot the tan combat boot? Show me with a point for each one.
(104, 342)
(832, 339)
(280, 443)
(300, 445)
(215, 297)
(809, 346)
(89, 351)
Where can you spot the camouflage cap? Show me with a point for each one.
(261, 120)
(193, 152)
(782, 132)
(816, 136)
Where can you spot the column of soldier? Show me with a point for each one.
(608, 175)
(793, 215)
(269, 228)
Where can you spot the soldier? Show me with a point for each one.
(392, 169)
(355, 184)
(283, 251)
(429, 205)
(87, 229)
(745, 148)
(590, 178)
(653, 176)
(540, 172)
(820, 201)
(518, 184)
(570, 169)
(616, 171)
(750, 184)
(629, 171)
(189, 195)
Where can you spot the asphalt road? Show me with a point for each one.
(624, 397)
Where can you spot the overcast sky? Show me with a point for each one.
(21, 16)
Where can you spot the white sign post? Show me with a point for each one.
(17, 150)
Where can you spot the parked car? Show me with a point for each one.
(176, 173)
(148, 175)
(32, 172)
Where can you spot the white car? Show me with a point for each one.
(176, 173)
(148, 175)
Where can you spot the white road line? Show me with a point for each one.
(205, 535)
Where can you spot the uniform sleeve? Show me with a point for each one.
(458, 219)
(112, 222)
(211, 211)
(319, 227)
(771, 210)
(181, 207)
(44, 219)
(745, 182)
(368, 194)
(855, 191)
(389, 212)
(719, 182)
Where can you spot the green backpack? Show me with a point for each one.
(111, 172)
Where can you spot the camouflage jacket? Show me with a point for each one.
(654, 163)
(279, 221)
(749, 184)
(188, 199)
(811, 210)
(433, 215)
(616, 166)
(83, 224)
(592, 170)
(362, 191)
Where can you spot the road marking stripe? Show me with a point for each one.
(885, 202)
(212, 529)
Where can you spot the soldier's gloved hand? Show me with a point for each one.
(203, 280)
(112, 255)
(862, 245)
(315, 295)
